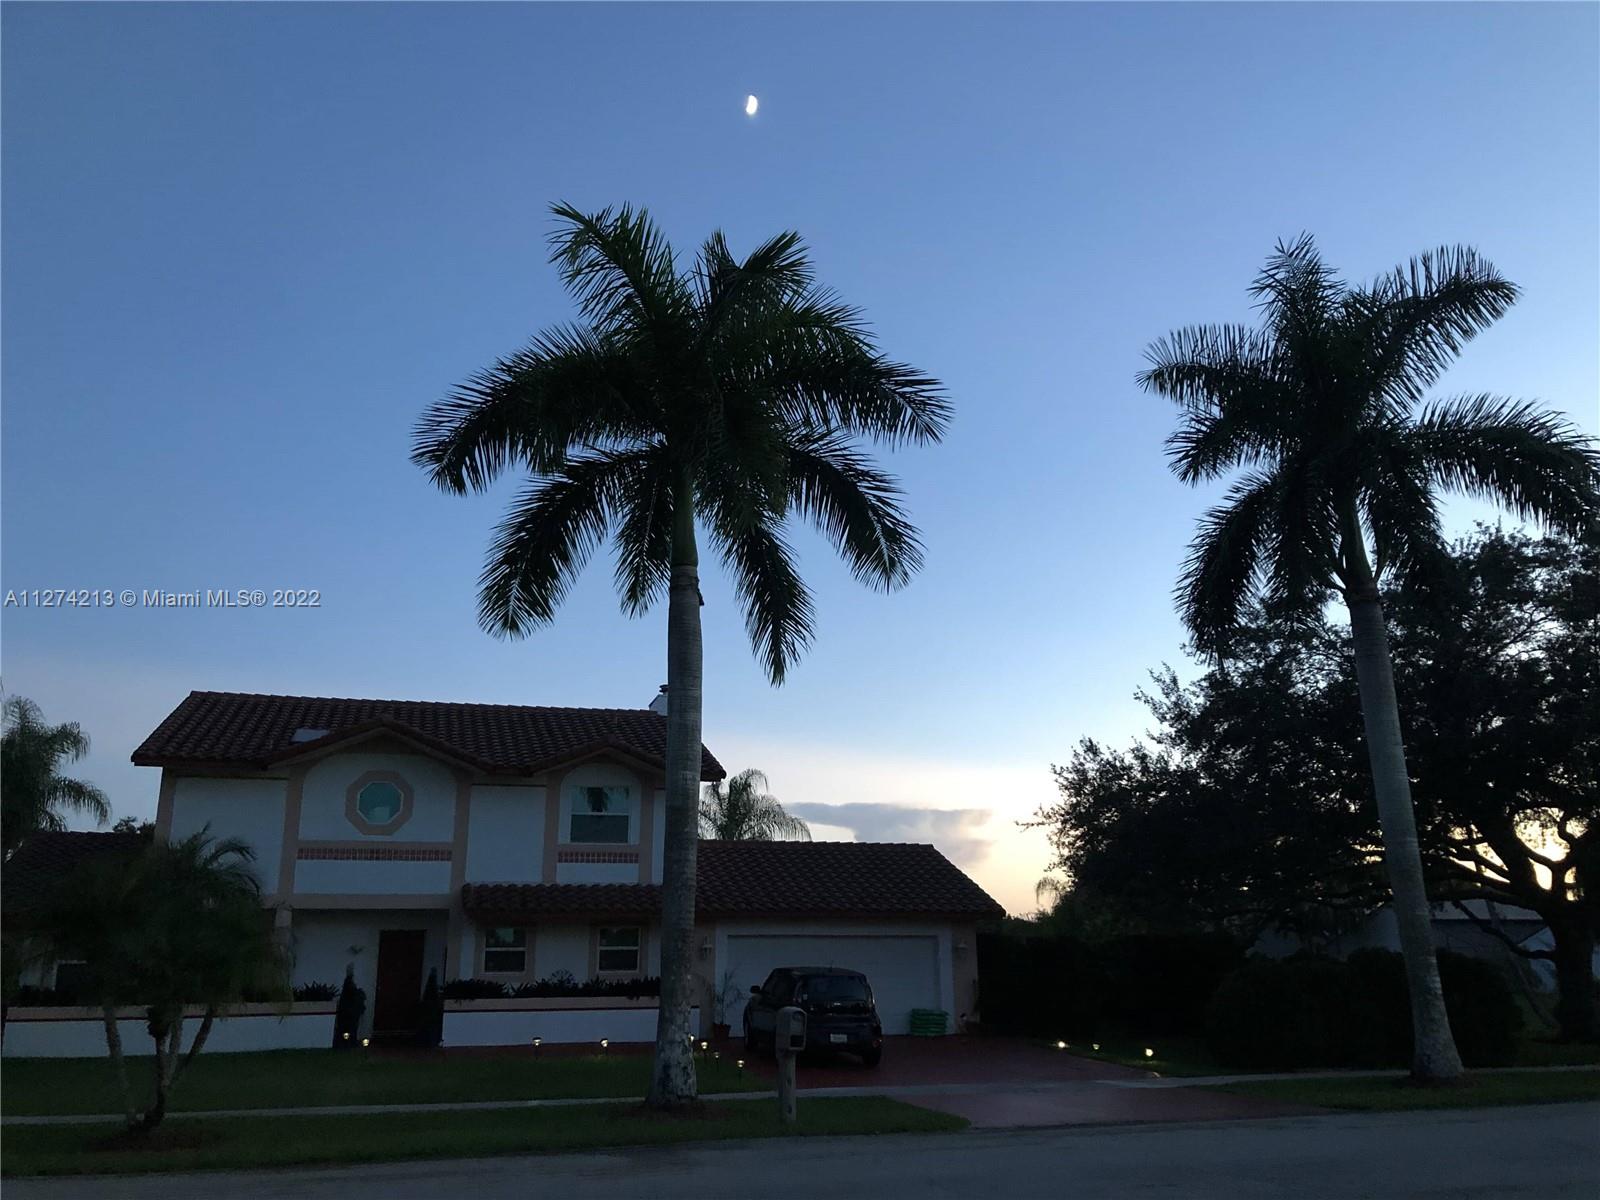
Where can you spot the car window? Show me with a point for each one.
(780, 986)
(832, 989)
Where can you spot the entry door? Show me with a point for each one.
(399, 981)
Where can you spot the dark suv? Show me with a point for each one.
(840, 1013)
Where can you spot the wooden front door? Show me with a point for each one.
(394, 1010)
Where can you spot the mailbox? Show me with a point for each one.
(790, 1036)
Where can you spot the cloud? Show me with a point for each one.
(958, 832)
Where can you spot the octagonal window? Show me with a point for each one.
(380, 802)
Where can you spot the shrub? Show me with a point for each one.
(432, 1013)
(1315, 1012)
(473, 989)
(315, 991)
(347, 1016)
(29, 996)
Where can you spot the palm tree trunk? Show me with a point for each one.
(672, 1079)
(1575, 984)
(119, 1064)
(1434, 1057)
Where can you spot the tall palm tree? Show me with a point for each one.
(1322, 408)
(730, 396)
(34, 795)
(742, 811)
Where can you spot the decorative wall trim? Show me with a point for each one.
(352, 795)
(415, 852)
(597, 856)
(164, 804)
(294, 794)
(456, 926)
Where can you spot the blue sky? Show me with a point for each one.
(244, 246)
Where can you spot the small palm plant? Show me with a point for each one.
(34, 795)
(170, 927)
(742, 811)
(721, 402)
(1322, 407)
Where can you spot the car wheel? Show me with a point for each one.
(873, 1057)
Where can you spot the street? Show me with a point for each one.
(1549, 1152)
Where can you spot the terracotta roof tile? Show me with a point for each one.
(773, 879)
(242, 729)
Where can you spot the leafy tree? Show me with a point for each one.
(721, 401)
(1247, 807)
(175, 925)
(128, 824)
(1320, 407)
(743, 811)
(34, 795)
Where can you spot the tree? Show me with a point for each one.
(1320, 407)
(34, 795)
(731, 397)
(175, 925)
(1248, 808)
(742, 811)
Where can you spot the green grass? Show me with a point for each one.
(315, 1078)
(236, 1142)
(1539, 1052)
(1392, 1095)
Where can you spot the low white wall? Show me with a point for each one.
(621, 1021)
(81, 1033)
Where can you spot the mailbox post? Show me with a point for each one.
(789, 1039)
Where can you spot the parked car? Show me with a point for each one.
(840, 1011)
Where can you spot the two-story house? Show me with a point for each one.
(518, 843)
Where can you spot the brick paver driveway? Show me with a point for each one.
(1000, 1082)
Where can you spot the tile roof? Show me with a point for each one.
(43, 859)
(773, 879)
(237, 729)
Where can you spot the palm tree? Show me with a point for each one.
(743, 812)
(730, 396)
(34, 795)
(1322, 407)
(171, 926)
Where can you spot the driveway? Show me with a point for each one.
(1541, 1153)
(1003, 1083)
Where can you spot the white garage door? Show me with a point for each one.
(903, 970)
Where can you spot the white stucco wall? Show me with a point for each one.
(87, 1038)
(250, 809)
(561, 948)
(658, 838)
(322, 801)
(505, 834)
(555, 1026)
(319, 876)
(597, 872)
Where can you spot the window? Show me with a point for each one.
(618, 951)
(380, 802)
(599, 814)
(505, 951)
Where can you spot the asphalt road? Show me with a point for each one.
(1549, 1152)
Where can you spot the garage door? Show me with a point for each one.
(903, 971)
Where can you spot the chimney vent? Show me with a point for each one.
(659, 704)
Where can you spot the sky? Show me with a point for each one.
(245, 246)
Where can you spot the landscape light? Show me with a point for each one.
(705, 1045)
(1061, 1045)
(1149, 1053)
(365, 1042)
(741, 1066)
(605, 1043)
(347, 1037)
(1097, 1045)
(537, 1042)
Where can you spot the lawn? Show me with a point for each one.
(236, 1142)
(1390, 1094)
(314, 1078)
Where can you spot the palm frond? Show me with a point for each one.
(1536, 463)
(619, 267)
(643, 534)
(775, 273)
(1298, 293)
(1225, 563)
(544, 541)
(778, 614)
(857, 507)
(1416, 319)
(80, 797)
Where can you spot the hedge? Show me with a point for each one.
(1306, 1011)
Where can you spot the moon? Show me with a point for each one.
(751, 104)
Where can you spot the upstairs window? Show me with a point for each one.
(599, 814)
(379, 802)
(505, 951)
(618, 951)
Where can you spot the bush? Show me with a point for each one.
(432, 1013)
(1307, 1011)
(556, 985)
(1142, 984)
(347, 1016)
(29, 996)
(316, 991)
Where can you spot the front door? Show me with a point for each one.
(394, 1011)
